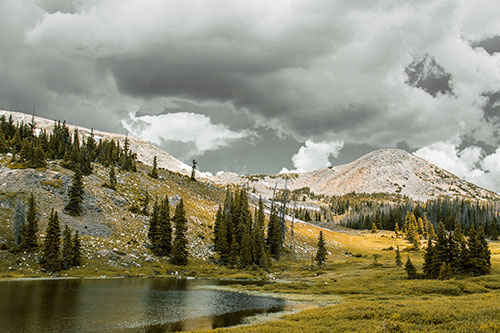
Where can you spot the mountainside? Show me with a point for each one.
(145, 151)
(384, 170)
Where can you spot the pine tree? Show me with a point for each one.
(374, 227)
(260, 255)
(153, 226)
(193, 170)
(431, 270)
(30, 228)
(179, 250)
(154, 172)
(51, 255)
(74, 206)
(399, 262)
(320, 257)
(77, 251)
(163, 238)
(410, 269)
(396, 230)
(274, 235)
(112, 178)
(493, 230)
(67, 249)
(217, 228)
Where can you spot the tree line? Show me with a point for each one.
(32, 147)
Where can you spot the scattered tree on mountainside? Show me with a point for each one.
(193, 170)
(410, 269)
(51, 252)
(399, 262)
(67, 248)
(154, 171)
(77, 250)
(19, 222)
(145, 204)
(274, 239)
(320, 257)
(454, 255)
(238, 238)
(112, 179)
(74, 206)
(179, 248)
(30, 228)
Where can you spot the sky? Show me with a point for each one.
(266, 86)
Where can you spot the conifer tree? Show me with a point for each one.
(410, 269)
(51, 255)
(112, 178)
(217, 228)
(30, 228)
(321, 253)
(163, 238)
(399, 262)
(246, 244)
(153, 226)
(260, 254)
(396, 230)
(233, 251)
(179, 249)
(74, 206)
(431, 270)
(274, 235)
(154, 172)
(493, 230)
(77, 250)
(67, 249)
(193, 170)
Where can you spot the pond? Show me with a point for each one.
(125, 305)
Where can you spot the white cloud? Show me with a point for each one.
(195, 132)
(315, 155)
(470, 163)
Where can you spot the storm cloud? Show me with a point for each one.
(308, 71)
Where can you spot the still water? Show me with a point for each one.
(124, 305)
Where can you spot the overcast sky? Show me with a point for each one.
(257, 86)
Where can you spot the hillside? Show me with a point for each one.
(381, 171)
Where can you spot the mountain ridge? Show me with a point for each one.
(380, 171)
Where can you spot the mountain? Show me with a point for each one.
(383, 170)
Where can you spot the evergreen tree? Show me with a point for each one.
(74, 206)
(396, 230)
(493, 230)
(274, 235)
(153, 226)
(431, 270)
(374, 227)
(179, 250)
(77, 251)
(112, 178)
(217, 228)
(399, 262)
(410, 269)
(320, 257)
(30, 228)
(479, 253)
(163, 238)
(154, 171)
(51, 255)
(19, 222)
(67, 249)
(193, 170)
(260, 255)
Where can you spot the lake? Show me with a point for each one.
(125, 305)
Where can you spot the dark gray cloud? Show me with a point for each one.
(259, 72)
(490, 44)
(427, 74)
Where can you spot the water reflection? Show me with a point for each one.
(124, 305)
